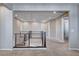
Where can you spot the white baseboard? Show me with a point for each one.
(54, 39)
(35, 49)
(73, 49)
(6, 49)
(29, 48)
(25, 49)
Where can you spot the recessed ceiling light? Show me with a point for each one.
(54, 12)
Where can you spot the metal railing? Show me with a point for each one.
(27, 37)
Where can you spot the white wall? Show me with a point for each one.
(78, 22)
(17, 26)
(73, 28)
(57, 29)
(33, 26)
(78, 25)
(66, 27)
(5, 28)
(53, 29)
(48, 30)
(60, 29)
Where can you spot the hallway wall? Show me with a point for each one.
(48, 30)
(53, 29)
(66, 27)
(73, 28)
(31, 26)
(57, 29)
(16, 25)
(74, 43)
(6, 29)
(19, 26)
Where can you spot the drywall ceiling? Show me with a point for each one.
(40, 12)
(39, 16)
(38, 6)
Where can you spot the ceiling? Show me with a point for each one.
(38, 16)
(19, 6)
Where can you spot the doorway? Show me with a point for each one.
(33, 28)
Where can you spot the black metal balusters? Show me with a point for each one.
(28, 38)
(15, 39)
(44, 36)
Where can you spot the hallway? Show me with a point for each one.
(53, 49)
(55, 21)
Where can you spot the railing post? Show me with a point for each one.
(29, 36)
(44, 36)
(25, 38)
(15, 39)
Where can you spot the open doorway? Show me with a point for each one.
(34, 28)
(66, 28)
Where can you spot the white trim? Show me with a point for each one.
(62, 20)
(62, 41)
(6, 49)
(25, 49)
(73, 49)
(29, 48)
(59, 41)
(49, 30)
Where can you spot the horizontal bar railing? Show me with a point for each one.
(18, 36)
(27, 37)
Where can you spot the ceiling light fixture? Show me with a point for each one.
(54, 12)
